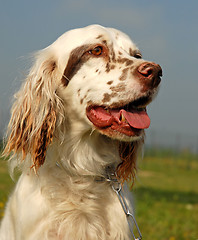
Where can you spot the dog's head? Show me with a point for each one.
(110, 82)
(92, 78)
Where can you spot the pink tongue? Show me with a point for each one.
(136, 119)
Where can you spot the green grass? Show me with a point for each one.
(166, 198)
(6, 185)
(165, 192)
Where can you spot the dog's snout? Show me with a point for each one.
(151, 73)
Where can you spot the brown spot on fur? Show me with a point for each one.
(131, 52)
(113, 56)
(107, 67)
(110, 82)
(125, 60)
(124, 74)
(107, 97)
(112, 66)
(129, 62)
(119, 88)
(100, 36)
(121, 60)
(81, 101)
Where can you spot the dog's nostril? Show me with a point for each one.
(151, 73)
(146, 70)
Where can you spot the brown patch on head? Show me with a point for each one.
(76, 60)
(78, 57)
(124, 74)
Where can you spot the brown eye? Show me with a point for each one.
(97, 51)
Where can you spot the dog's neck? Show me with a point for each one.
(90, 154)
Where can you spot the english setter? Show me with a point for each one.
(77, 122)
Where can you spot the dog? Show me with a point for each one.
(78, 119)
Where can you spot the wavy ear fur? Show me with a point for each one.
(33, 115)
(128, 151)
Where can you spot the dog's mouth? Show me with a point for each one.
(128, 119)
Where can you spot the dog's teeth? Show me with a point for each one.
(123, 118)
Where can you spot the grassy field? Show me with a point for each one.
(165, 192)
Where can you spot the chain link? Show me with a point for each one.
(117, 188)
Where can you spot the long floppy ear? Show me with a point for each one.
(128, 151)
(34, 112)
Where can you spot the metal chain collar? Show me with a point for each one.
(117, 188)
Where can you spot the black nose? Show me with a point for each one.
(151, 73)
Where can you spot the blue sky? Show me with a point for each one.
(165, 31)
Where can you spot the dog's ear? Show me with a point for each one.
(34, 112)
(128, 151)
